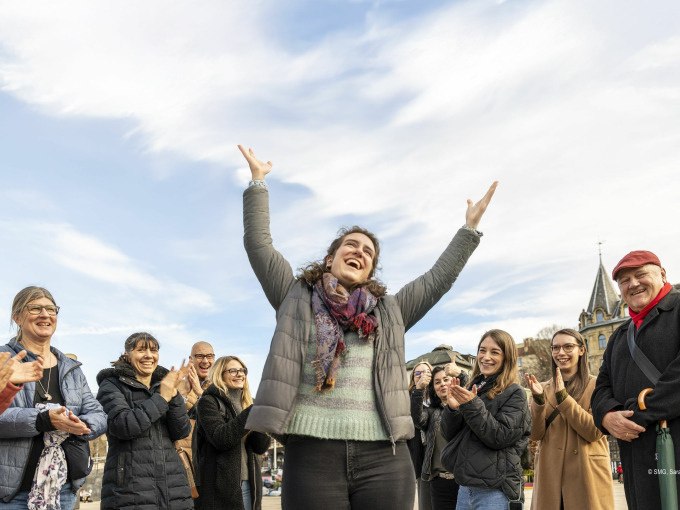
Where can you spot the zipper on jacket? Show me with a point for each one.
(378, 398)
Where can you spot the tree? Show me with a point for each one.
(549, 331)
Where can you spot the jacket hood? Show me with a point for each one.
(122, 369)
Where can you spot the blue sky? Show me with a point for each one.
(121, 181)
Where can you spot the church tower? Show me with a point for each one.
(606, 311)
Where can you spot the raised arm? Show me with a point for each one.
(271, 268)
(418, 296)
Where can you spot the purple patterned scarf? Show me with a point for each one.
(336, 311)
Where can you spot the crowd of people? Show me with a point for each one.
(357, 433)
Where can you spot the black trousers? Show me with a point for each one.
(320, 474)
(443, 493)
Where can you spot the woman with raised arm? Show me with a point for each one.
(146, 415)
(572, 465)
(334, 383)
(51, 417)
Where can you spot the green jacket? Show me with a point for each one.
(291, 298)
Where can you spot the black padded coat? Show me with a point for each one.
(219, 431)
(142, 469)
(486, 440)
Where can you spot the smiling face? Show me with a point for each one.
(40, 327)
(202, 358)
(352, 263)
(144, 358)
(235, 379)
(566, 361)
(489, 357)
(640, 285)
(441, 384)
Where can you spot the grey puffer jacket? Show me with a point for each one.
(291, 298)
(486, 440)
(18, 422)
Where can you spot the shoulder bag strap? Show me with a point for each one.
(550, 418)
(639, 357)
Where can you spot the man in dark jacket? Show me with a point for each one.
(654, 307)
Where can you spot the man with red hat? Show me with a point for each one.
(653, 333)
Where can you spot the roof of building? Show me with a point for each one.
(604, 295)
(442, 355)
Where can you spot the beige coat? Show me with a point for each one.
(573, 456)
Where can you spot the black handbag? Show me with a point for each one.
(78, 459)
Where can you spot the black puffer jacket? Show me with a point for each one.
(142, 470)
(218, 453)
(486, 440)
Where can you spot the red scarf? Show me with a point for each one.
(640, 316)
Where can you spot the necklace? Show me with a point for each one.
(46, 395)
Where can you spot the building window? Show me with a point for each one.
(599, 316)
(602, 341)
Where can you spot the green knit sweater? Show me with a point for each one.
(349, 410)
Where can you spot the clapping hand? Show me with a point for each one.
(14, 371)
(194, 381)
(172, 380)
(258, 169)
(535, 386)
(63, 419)
(459, 395)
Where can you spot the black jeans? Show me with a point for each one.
(443, 493)
(320, 474)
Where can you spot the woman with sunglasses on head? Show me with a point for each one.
(334, 383)
(420, 378)
(146, 415)
(487, 426)
(50, 420)
(572, 465)
(443, 488)
(226, 456)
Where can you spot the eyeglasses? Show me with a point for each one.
(201, 357)
(421, 372)
(568, 348)
(236, 371)
(36, 309)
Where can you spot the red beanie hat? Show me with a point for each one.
(637, 258)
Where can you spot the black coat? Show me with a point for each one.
(218, 453)
(619, 383)
(486, 440)
(427, 420)
(142, 469)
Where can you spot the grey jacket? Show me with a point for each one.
(18, 422)
(291, 298)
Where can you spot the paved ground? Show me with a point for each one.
(274, 503)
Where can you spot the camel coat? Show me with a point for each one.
(573, 456)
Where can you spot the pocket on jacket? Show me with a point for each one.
(121, 469)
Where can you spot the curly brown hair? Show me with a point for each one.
(314, 271)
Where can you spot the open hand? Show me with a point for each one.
(534, 385)
(559, 381)
(475, 211)
(25, 372)
(194, 381)
(258, 169)
(460, 394)
(6, 370)
(172, 380)
(424, 380)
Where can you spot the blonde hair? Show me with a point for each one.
(412, 384)
(216, 379)
(508, 373)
